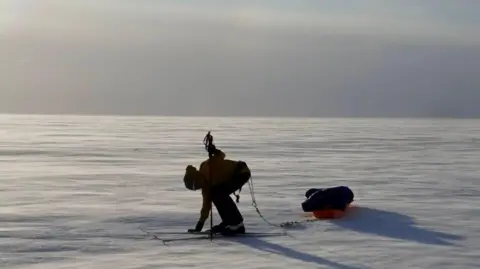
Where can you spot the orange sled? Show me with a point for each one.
(329, 213)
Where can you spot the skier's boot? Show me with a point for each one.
(231, 230)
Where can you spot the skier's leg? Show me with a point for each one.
(227, 209)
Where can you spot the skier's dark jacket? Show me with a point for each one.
(222, 170)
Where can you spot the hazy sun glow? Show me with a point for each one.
(271, 57)
(13, 14)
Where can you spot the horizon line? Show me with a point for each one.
(153, 115)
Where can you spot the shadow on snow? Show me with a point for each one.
(269, 247)
(393, 225)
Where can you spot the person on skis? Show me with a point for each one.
(218, 178)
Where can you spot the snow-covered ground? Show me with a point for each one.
(76, 192)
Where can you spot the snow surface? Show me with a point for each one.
(76, 192)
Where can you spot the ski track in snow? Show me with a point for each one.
(77, 190)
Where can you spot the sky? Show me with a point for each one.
(350, 58)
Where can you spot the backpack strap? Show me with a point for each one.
(241, 165)
(238, 195)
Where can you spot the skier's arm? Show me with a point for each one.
(206, 205)
(203, 212)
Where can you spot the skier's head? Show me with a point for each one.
(189, 179)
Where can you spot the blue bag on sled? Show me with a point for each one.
(328, 202)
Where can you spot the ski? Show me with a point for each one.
(186, 236)
(206, 236)
(207, 232)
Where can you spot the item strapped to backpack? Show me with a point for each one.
(209, 146)
(238, 171)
